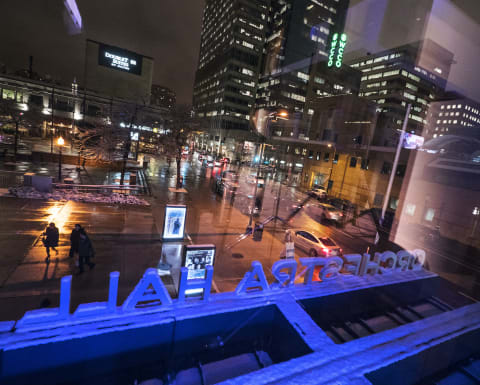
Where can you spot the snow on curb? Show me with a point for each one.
(72, 195)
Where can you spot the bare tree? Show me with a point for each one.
(179, 127)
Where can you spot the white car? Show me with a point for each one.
(315, 245)
(318, 192)
(325, 212)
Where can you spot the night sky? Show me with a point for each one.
(167, 30)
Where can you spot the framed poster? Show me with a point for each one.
(195, 259)
(174, 222)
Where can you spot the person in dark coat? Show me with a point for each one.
(51, 239)
(85, 251)
(74, 240)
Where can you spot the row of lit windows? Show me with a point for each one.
(457, 106)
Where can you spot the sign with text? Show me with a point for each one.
(174, 222)
(337, 49)
(119, 59)
(150, 294)
(412, 142)
(195, 259)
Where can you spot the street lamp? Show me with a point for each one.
(60, 144)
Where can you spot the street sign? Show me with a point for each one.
(195, 259)
(174, 222)
(412, 142)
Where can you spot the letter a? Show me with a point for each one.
(253, 279)
(142, 294)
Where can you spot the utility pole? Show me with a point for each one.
(52, 128)
(395, 164)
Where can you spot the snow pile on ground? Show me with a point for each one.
(72, 195)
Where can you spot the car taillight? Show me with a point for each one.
(325, 250)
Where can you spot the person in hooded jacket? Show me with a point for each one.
(85, 251)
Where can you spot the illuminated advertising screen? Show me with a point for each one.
(174, 222)
(195, 259)
(120, 59)
(412, 142)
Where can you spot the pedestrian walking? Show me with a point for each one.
(50, 239)
(74, 240)
(85, 251)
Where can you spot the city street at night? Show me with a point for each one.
(240, 192)
(128, 239)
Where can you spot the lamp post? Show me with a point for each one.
(60, 144)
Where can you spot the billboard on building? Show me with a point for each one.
(118, 72)
(120, 59)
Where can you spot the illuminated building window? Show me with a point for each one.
(429, 214)
(8, 94)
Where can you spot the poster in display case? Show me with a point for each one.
(195, 259)
(174, 222)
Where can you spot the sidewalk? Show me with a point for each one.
(125, 240)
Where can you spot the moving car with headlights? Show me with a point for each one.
(315, 245)
(325, 212)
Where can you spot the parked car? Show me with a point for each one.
(318, 192)
(341, 204)
(326, 212)
(316, 245)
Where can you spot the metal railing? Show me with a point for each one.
(10, 179)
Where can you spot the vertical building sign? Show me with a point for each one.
(337, 49)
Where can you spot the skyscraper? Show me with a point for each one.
(298, 36)
(232, 40)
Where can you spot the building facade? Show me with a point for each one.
(295, 56)
(72, 111)
(232, 40)
(163, 97)
(117, 72)
(411, 74)
(453, 114)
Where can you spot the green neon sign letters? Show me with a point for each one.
(337, 48)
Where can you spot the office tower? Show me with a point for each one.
(232, 40)
(298, 37)
(414, 73)
(453, 114)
